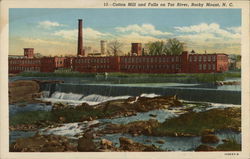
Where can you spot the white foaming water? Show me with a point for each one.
(75, 99)
(160, 115)
(215, 106)
(67, 96)
(150, 95)
(70, 129)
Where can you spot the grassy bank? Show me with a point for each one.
(135, 77)
(69, 115)
(195, 123)
(56, 74)
(230, 145)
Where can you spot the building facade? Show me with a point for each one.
(184, 63)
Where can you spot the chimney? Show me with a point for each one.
(80, 50)
(103, 47)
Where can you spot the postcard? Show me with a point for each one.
(124, 79)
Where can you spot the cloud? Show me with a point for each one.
(42, 41)
(212, 28)
(144, 29)
(210, 37)
(49, 24)
(234, 29)
(135, 37)
(88, 33)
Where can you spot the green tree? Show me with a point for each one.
(171, 47)
(155, 48)
(174, 47)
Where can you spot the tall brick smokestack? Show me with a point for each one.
(80, 50)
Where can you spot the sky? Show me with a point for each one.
(54, 31)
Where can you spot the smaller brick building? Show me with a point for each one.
(136, 48)
(29, 52)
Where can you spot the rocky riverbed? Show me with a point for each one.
(131, 123)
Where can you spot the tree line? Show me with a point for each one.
(168, 47)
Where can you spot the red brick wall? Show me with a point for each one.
(185, 63)
(96, 64)
(150, 64)
(222, 62)
(202, 63)
(24, 64)
(48, 64)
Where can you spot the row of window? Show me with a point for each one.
(20, 68)
(200, 58)
(206, 67)
(24, 61)
(59, 62)
(150, 59)
(93, 60)
(173, 67)
(89, 67)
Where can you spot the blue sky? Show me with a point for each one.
(54, 31)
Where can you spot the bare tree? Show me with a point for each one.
(114, 47)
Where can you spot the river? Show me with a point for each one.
(75, 91)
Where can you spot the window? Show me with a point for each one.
(209, 67)
(172, 59)
(200, 57)
(213, 66)
(204, 58)
(155, 59)
(195, 58)
(208, 58)
(204, 66)
(177, 59)
(214, 58)
(173, 67)
(190, 59)
(200, 66)
(159, 59)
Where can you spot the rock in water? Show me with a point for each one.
(210, 138)
(205, 148)
(42, 143)
(129, 145)
(106, 144)
(23, 90)
(160, 141)
(207, 131)
(86, 145)
(125, 141)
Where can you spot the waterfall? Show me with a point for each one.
(79, 92)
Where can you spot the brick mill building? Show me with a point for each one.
(135, 63)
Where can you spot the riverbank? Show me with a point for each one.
(188, 78)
